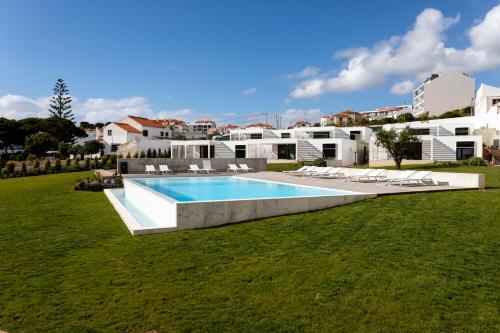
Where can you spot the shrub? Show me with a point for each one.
(10, 167)
(93, 164)
(113, 159)
(46, 166)
(35, 171)
(87, 163)
(148, 153)
(108, 165)
(475, 161)
(153, 154)
(136, 155)
(24, 168)
(57, 166)
(160, 154)
(120, 156)
(88, 184)
(67, 163)
(319, 162)
(128, 155)
(31, 157)
(104, 159)
(142, 155)
(36, 164)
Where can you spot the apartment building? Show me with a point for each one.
(387, 112)
(440, 93)
(441, 140)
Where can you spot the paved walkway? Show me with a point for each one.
(339, 184)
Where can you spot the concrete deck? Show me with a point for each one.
(339, 184)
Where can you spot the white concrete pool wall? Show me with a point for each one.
(170, 215)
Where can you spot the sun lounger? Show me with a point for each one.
(233, 168)
(194, 168)
(302, 169)
(419, 178)
(374, 175)
(164, 169)
(327, 171)
(207, 166)
(150, 169)
(402, 177)
(335, 173)
(246, 168)
(359, 173)
(316, 171)
(305, 172)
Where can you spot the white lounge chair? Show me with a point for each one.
(194, 168)
(164, 169)
(420, 178)
(402, 177)
(302, 169)
(373, 175)
(335, 173)
(150, 169)
(305, 172)
(233, 168)
(246, 168)
(360, 172)
(207, 166)
(316, 171)
(326, 172)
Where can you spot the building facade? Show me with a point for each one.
(344, 118)
(444, 92)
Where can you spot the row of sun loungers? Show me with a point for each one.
(194, 168)
(388, 177)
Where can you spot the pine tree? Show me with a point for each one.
(60, 103)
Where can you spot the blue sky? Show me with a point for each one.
(233, 61)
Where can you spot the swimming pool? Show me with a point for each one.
(153, 205)
(189, 189)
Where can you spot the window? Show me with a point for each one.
(240, 151)
(114, 148)
(110, 132)
(166, 134)
(354, 134)
(162, 133)
(414, 151)
(285, 135)
(422, 131)
(462, 131)
(465, 150)
(145, 133)
(204, 151)
(329, 151)
(286, 152)
(495, 101)
(321, 135)
(256, 136)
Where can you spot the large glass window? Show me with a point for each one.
(240, 151)
(354, 134)
(256, 136)
(321, 135)
(204, 151)
(414, 151)
(285, 135)
(422, 131)
(465, 150)
(329, 151)
(462, 131)
(286, 152)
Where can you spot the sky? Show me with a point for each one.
(237, 61)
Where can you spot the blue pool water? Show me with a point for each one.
(188, 189)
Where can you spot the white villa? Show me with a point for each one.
(441, 140)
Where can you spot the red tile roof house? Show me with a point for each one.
(344, 118)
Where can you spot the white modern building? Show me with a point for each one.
(387, 112)
(342, 146)
(441, 140)
(444, 92)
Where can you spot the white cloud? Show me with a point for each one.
(403, 87)
(306, 72)
(249, 91)
(92, 109)
(290, 116)
(415, 55)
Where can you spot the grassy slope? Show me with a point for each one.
(423, 262)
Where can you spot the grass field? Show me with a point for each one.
(407, 263)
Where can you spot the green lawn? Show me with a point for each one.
(407, 263)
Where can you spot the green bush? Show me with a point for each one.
(10, 167)
(24, 168)
(136, 155)
(67, 163)
(47, 166)
(153, 154)
(142, 155)
(319, 162)
(113, 159)
(128, 155)
(148, 153)
(108, 165)
(36, 164)
(58, 165)
(475, 161)
(87, 163)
